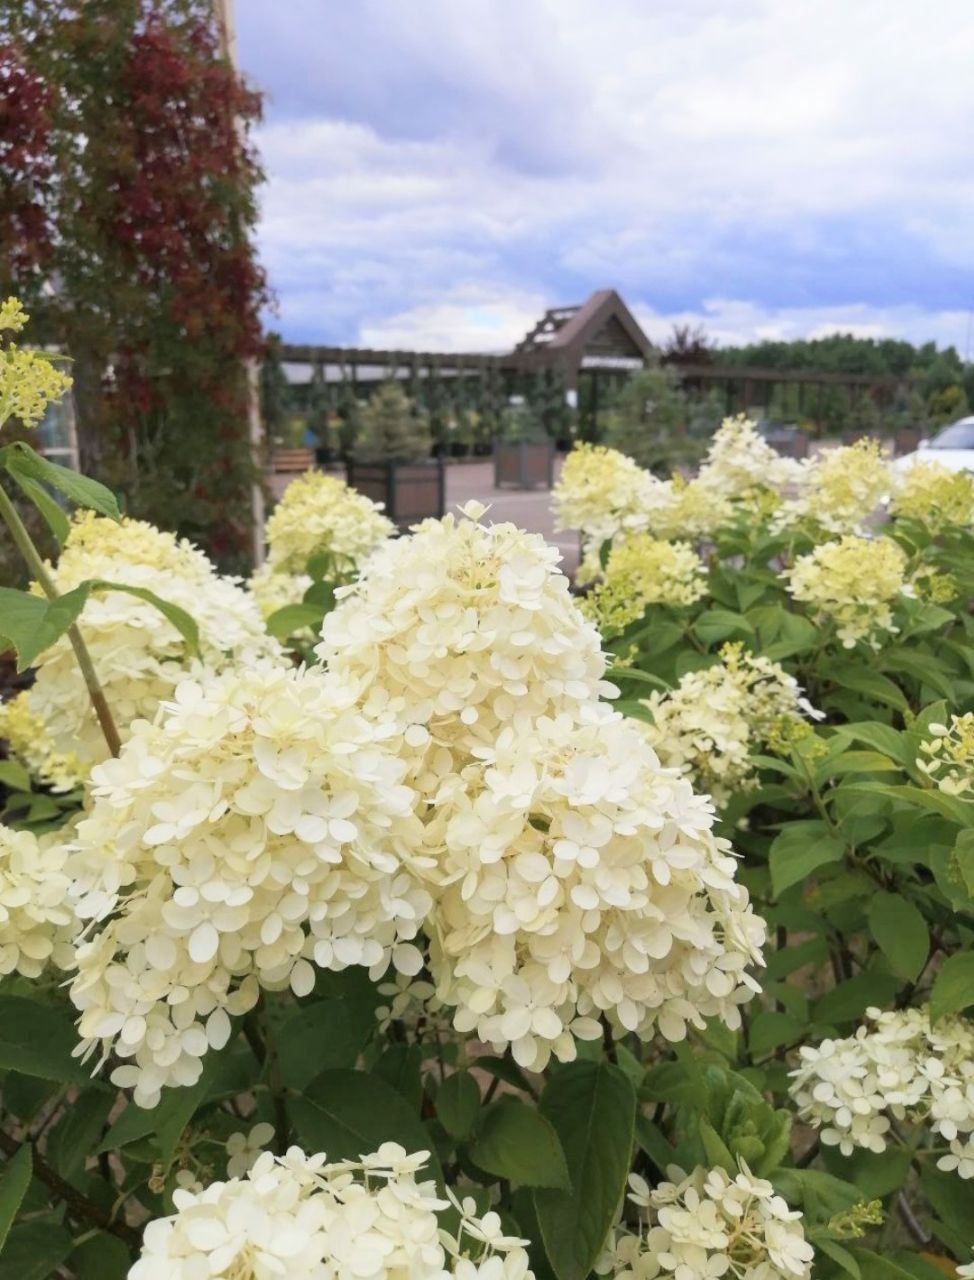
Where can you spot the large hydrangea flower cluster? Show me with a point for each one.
(301, 1217)
(572, 877)
(897, 1067)
(854, 582)
(643, 571)
(602, 493)
(711, 724)
(36, 922)
(29, 380)
(934, 495)
(255, 831)
(320, 515)
(706, 1224)
(841, 489)
(947, 756)
(138, 655)
(741, 464)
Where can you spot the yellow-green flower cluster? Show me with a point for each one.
(29, 380)
(28, 740)
(841, 489)
(321, 515)
(602, 493)
(854, 582)
(947, 756)
(934, 495)
(642, 571)
(138, 655)
(687, 508)
(715, 719)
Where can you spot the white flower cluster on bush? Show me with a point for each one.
(138, 655)
(840, 489)
(947, 756)
(299, 1217)
(897, 1067)
(641, 571)
(854, 582)
(711, 724)
(571, 875)
(602, 493)
(255, 831)
(740, 463)
(37, 923)
(706, 1224)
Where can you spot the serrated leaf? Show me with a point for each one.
(34, 1251)
(32, 624)
(291, 618)
(54, 517)
(900, 932)
(14, 776)
(350, 1113)
(798, 850)
(20, 459)
(37, 1040)
(15, 1178)
(178, 617)
(458, 1104)
(953, 987)
(516, 1142)
(592, 1108)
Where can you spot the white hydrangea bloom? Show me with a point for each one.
(138, 655)
(460, 629)
(253, 832)
(740, 462)
(711, 724)
(705, 1225)
(853, 582)
(602, 493)
(577, 878)
(571, 874)
(299, 1217)
(37, 922)
(896, 1067)
(321, 515)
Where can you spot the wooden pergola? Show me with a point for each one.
(599, 340)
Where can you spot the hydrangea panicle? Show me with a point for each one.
(37, 922)
(897, 1067)
(301, 1217)
(716, 718)
(854, 582)
(640, 572)
(320, 515)
(257, 830)
(138, 655)
(840, 489)
(706, 1224)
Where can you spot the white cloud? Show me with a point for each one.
(434, 162)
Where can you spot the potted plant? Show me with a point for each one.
(391, 463)
(524, 455)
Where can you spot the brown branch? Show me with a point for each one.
(78, 1204)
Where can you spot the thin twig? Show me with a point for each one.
(78, 1204)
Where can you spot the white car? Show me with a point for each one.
(952, 447)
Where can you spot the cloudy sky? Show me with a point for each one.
(440, 171)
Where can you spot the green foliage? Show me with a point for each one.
(649, 421)
(391, 430)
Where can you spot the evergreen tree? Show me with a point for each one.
(648, 421)
(391, 431)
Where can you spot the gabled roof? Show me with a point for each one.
(603, 325)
